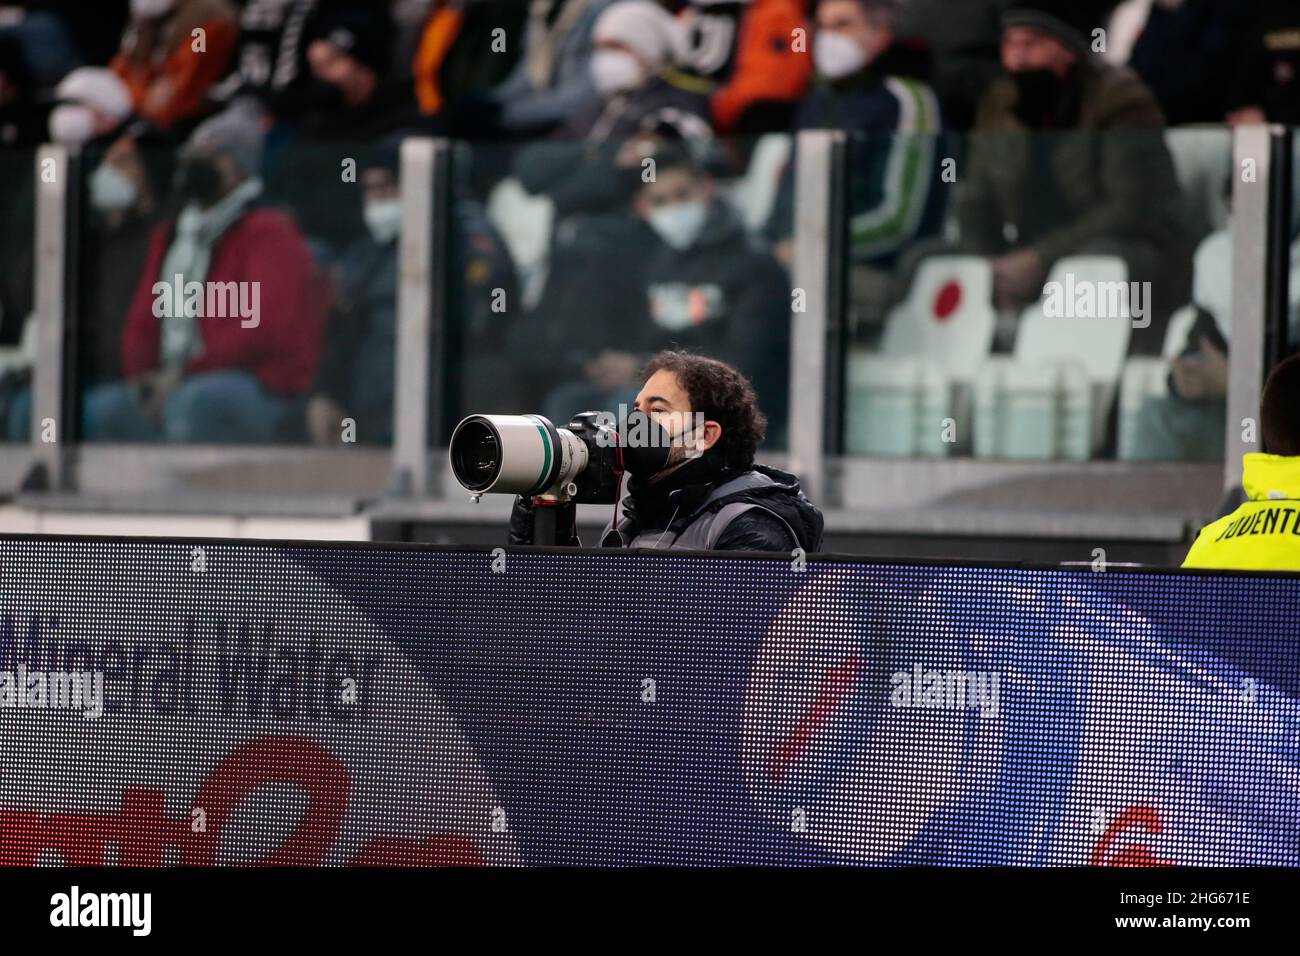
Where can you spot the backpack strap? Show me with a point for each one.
(729, 513)
(749, 481)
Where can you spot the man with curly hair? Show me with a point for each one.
(706, 493)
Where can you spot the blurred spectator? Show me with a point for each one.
(584, 331)
(347, 102)
(1266, 89)
(637, 45)
(222, 365)
(963, 40)
(93, 107)
(356, 375)
(895, 189)
(711, 287)
(550, 82)
(173, 51)
(349, 95)
(1183, 49)
(17, 225)
(94, 104)
(640, 93)
(747, 50)
(458, 53)
(1188, 424)
(483, 290)
(1070, 159)
(125, 194)
(595, 273)
(270, 61)
(17, 338)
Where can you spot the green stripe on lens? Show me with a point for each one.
(546, 454)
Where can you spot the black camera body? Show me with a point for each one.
(598, 483)
(527, 455)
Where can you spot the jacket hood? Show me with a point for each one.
(1271, 477)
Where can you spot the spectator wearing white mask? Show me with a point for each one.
(356, 374)
(869, 85)
(642, 93)
(637, 45)
(551, 81)
(712, 287)
(125, 192)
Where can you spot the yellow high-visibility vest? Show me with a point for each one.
(1264, 533)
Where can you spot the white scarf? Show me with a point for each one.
(189, 256)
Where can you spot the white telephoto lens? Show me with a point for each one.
(514, 454)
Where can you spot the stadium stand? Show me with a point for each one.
(513, 273)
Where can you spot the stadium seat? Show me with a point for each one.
(947, 317)
(1203, 161)
(897, 407)
(932, 346)
(1033, 411)
(1052, 399)
(22, 355)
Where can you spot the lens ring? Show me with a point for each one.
(475, 453)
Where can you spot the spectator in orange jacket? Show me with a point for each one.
(461, 51)
(757, 53)
(172, 52)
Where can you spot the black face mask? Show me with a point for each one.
(647, 445)
(1038, 96)
(199, 180)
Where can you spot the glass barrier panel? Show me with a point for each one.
(1038, 296)
(219, 304)
(579, 261)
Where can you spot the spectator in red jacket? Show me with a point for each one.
(224, 330)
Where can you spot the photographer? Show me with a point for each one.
(703, 491)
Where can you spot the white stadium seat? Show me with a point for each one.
(933, 344)
(897, 407)
(1053, 398)
(1033, 411)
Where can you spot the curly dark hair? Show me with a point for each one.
(725, 396)
(1279, 410)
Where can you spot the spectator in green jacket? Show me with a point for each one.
(1069, 158)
